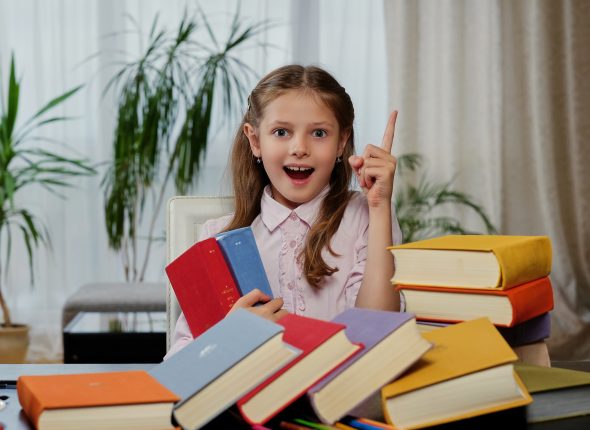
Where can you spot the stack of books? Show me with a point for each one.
(462, 277)
(213, 273)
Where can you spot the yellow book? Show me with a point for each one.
(469, 372)
(472, 261)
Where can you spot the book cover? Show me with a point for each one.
(392, 344)
(243, 258)
(222, 365)
(40, 395)
(324, 346)
(557, 393)
(472, 348)
(527, 332)
(478, 261)
(203, 285)
(447, 304)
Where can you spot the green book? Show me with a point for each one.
(557, 393)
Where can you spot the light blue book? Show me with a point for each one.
(243, 258)
(221, 365)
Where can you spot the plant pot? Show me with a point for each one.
(14, 342)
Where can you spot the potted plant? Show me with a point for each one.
(165, 105)
(25, 163)
(418, 205)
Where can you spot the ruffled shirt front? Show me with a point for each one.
(280, 235)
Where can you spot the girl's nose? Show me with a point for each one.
(299, 147)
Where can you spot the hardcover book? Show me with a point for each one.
(503, 307)
(243, 258)
(96, 401)
(324, 345)
(527, 332)
(472, 261)
(447, 384)
(391, 342)
(557, 393)
(222, 365)
(203, 285)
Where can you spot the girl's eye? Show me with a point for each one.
(319, 133)
(280, 132)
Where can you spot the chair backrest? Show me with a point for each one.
(184, 218)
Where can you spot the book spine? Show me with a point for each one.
(29, 402)
(524, 261)
(534, 299)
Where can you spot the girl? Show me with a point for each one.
(323, 246)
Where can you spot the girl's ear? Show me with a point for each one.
(252, 137)
(343, 141)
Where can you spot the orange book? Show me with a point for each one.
(126, 399)
(469, 372)
(504, 308)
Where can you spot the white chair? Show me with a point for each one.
(184, 217)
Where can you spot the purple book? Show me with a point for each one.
(392, 343)
(530, 331)
(526, 332)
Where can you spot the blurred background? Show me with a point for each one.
(494, 99)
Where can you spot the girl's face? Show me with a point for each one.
(298, 140)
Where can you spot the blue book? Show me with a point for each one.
(241, 255)
(221, 365)
(392, 343)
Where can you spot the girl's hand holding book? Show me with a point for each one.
(261, 304)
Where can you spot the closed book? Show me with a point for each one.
(528, 332)
(469, 372)
(244, 261)
(223, 364)
(391, 342)
(503, 307)
(324, 345)
(203, 285)
(96, 401)
(472, 261)
(557, 393)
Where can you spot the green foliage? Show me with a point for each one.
(416, 205)
(24, 163)
(163, 119)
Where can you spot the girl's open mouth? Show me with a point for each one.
(298, 173)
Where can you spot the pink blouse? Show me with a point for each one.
(280, 235)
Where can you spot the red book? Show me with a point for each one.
(504, 308)
(203, 284)
(324, 347)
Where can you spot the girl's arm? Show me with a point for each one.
(375, 170)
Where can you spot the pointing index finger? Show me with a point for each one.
(387, 142)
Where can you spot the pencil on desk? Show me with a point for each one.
(292, 426)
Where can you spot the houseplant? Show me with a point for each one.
(165, 105)
(419, 204)
(25, 162)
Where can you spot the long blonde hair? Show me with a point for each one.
(249, 178)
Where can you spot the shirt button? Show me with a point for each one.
(290, 285)
(293, 216)
(292, 244)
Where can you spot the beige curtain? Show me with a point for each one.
(497, 95)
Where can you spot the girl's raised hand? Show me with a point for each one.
(269, 309)
(375, 168)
